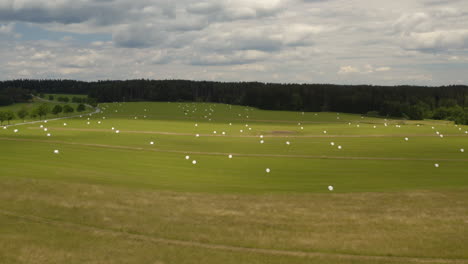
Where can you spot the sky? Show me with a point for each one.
(416, 42)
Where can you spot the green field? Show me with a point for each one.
(110, 197)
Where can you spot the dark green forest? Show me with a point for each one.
(408, 102)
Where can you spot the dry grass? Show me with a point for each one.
(418, 224)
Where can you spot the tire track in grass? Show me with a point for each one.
(186, 243)
(227, 153)
(253, 136)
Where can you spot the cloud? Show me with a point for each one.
(238, 57)
(439, 30)
(437, 41)
(348, 69)
(43, 55)
(383, 69)
(366, 69)
(204, 8)
(135, 36)
(226, 10)
(440, 2)
(74, 12)
(6, 29)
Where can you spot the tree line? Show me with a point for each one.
(66, 99)
(411, 102)
(41, 111)
(13, 94)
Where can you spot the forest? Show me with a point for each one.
(407, 102)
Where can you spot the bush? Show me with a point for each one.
(68, 109)
(373, 114)
(22, 113)
(81, 108)
(57, 109)
(416, 112)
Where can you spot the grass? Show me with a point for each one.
(114, 198)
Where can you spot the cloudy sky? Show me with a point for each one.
(305, 41)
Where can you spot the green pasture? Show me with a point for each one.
(110, 197)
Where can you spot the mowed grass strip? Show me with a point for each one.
(171, 171)
(316, 150)
(424, 146)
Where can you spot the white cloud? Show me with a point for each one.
(366, 69)
(6, 29)
(383, 69)
(348, 69)
(440, 40)
(437, 30)
(43, 55)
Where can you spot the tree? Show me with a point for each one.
(416, 112)
(9, 115)
(5, 100)
(22, 113)
(441, 113)
(76, 99)
(63, 99)
(373, 113)
(42, 110)
(81, 108)
(68, 109)
(57, 110)
(51, 97)
(92, 102)
(2, 117)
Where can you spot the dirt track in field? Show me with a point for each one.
(227, 153)
(183, 243)
(273, 135)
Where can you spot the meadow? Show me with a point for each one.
(124, 187)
